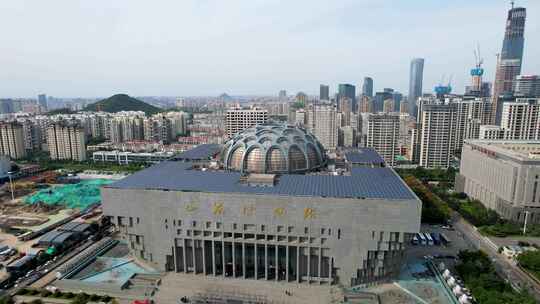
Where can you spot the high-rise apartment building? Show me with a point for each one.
(383, 135)
(12, 140)
(347, 137)
(323, 122)
(348, 91)
(237, 120)
(471, 114)
(438, 127)
(527, 86)
(66, 141)
(520, 120)
(324, 92)
(510, 60)
(416, 75)
(367, 87)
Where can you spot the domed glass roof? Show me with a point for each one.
(273, 148)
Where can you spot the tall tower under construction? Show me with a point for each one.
(510, 59)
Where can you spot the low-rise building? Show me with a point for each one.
(504, 176)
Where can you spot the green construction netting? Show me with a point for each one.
(80, 195)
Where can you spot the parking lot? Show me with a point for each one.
(440, 252)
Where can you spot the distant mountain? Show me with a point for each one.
(122, 102)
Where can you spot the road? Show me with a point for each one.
(508, 270)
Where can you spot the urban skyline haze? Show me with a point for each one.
(77, 48)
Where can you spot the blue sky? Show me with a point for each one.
(206, 47)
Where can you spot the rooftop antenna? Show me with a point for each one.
(512, 3)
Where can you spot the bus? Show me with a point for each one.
(444, 239)
(422, 239)
(436, 238)
(429, 239)
(414, 240)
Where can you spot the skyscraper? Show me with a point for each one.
(416, 74)
(509, 61)
(42, 100)
(282, 94)
(324, 92)
(349, 91)
(367, 87)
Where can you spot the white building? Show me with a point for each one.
(383, 135)
(437, 135)
(520, 119)
(503, 175)
(237, 120)
(323, 123)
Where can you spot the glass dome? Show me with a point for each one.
(273, 148)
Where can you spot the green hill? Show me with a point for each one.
(122, 102)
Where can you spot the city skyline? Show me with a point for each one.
(165, 56)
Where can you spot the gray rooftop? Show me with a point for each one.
(201, 152)
(364, 156)
(377, 183)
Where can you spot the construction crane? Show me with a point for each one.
(478, 70)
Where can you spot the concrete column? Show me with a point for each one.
(309, 264)
(266, 261)
(184, 255)
(320, 260)
(175, 266)
(287, 263)
(298, 264)
(244, 260)
(276, 262)
(213, 258)
(223, 257)
(233, 259)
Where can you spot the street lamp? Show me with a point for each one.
(11, 185)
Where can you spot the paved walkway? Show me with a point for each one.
(177, 285)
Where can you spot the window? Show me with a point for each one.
(179, 222)
(291, 228)
(208, 225)
(262, 227)
(218, 225)
(323, 231)
(131, 220)
(234, 226)
(138, 220)
(279, 228)
(339, 234)
(249, 227)
(306, 230)
(194, 224)
(179, 231)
